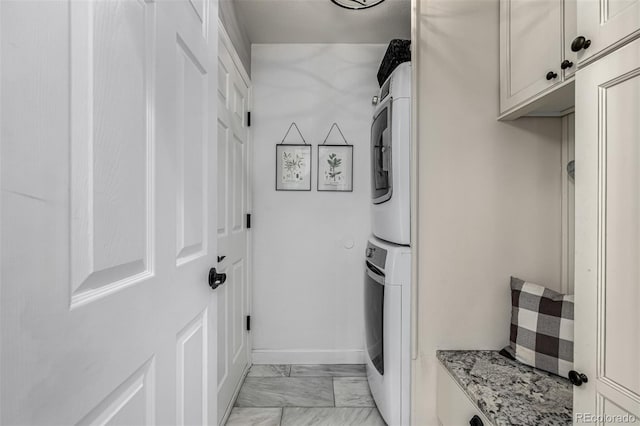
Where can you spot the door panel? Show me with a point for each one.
(605, 23)
(108, 185)
(619, 147)
(607, 233)
(112, 147)
(192, 109)
(192, 373)
(238, 184)
(233, 341)
(223, 185)
(133, 403)
(238, 308)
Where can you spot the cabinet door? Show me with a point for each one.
(607, 23)
(530, 47)
(607, 229)
(570, 33)
(454, 406)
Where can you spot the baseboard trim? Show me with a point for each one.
(301, 356)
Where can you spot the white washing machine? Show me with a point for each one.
(387, 329)
(390, 158)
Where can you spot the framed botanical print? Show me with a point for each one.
(293, 167)
(335, 168)
(335, 165)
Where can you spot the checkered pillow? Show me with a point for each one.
(541, 327)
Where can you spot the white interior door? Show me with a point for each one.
(233, 297)
(607, 229)
(108, 212)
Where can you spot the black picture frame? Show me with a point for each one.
(330, 178)
(292, 177)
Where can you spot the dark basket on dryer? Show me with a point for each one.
(399, 51)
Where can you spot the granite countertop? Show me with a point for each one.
(508, 392)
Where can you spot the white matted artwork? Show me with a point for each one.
(293, 167)
(335, 168)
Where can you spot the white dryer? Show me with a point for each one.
(387, 301)
(390, 158)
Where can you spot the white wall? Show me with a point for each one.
(489, 192)
(308, 283)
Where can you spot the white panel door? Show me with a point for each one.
(233, 159)
(606, 23)
(108, 170)
(530, 46)
(607, 229)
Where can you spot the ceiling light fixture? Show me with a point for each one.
(357, 4)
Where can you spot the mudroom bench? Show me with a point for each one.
(483, 388)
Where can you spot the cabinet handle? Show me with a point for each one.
(551, 75)
(566, 64)
(577, 379)
(476, 421)
(580, 43)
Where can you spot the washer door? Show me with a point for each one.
(374, 316)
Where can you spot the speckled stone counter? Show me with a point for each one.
(510, 393)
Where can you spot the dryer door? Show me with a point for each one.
(381, 185)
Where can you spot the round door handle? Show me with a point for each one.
(216, 279)
(580, 43)
(476, 421)
(577, 379)
(566, 64)
(551, 75)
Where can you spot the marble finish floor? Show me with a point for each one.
(305, 395)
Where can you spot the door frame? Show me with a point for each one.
(224, 38)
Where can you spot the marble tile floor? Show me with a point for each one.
(305, 395)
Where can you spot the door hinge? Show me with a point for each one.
(248, 322)
(248, 118)
(248, 220)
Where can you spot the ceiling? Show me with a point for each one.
(321, 21)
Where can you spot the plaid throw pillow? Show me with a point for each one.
(541, 327)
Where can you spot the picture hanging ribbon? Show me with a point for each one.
(335, 125)
(293, 124)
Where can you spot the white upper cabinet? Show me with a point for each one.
(535, 55)
(604, 25)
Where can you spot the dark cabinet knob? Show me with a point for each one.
(566, 64)
(476, 421)
(580, 43)
(577, 378)
(551, 75)
(216, 279)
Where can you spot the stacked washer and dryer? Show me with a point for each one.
(388, 254)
